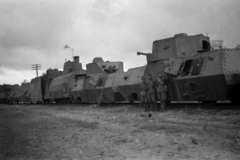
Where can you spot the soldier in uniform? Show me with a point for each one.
(143, 94)
(151, 93)
(161, 88)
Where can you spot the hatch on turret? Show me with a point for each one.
(98, 60)
(99, 66)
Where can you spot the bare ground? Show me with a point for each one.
(121, 132)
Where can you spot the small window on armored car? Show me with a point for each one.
(206, 45)
(197, 65)
(187, 67)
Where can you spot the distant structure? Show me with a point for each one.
(217, 44)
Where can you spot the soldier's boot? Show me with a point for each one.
(150, 106)
(159, 107)
(155, 106)
(163, 103)
(145, 107)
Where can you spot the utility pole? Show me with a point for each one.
(36, 67)
(72, 52)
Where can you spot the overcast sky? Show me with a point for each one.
(35, 31)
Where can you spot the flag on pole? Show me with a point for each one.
(66, 46)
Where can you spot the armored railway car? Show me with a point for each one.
(193, 71)
(39, 87)
(60, 88)
(100, 84)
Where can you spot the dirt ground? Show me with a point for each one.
(122, 132)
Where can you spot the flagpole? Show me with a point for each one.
(72, 53)
(68, 47)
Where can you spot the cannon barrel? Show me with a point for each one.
(141, 53)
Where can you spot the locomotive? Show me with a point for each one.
(193, 72)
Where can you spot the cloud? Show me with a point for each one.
(10, 76)
(33, 24)
(218, 19)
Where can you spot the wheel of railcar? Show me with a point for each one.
(130, 98)
(66, 101)
(235, 98)
(235, 101)
(72, 100)
(209, 103)
(235, 95)
(69, 101)
(168, 102)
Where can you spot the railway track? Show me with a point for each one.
(173, 105)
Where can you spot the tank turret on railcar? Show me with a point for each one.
(194, 72)
(61, 86)
(100, 83)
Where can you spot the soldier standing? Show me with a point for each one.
(143, 94)
(151, 93)
(161, 91)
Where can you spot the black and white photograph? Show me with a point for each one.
(119, 80)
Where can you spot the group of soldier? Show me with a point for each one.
(150, 89)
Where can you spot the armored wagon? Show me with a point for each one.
(61, 86)
(100, 84)
(194, 72)
(130, 84)
(23, 94)
(39, 86)
(36, 90)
